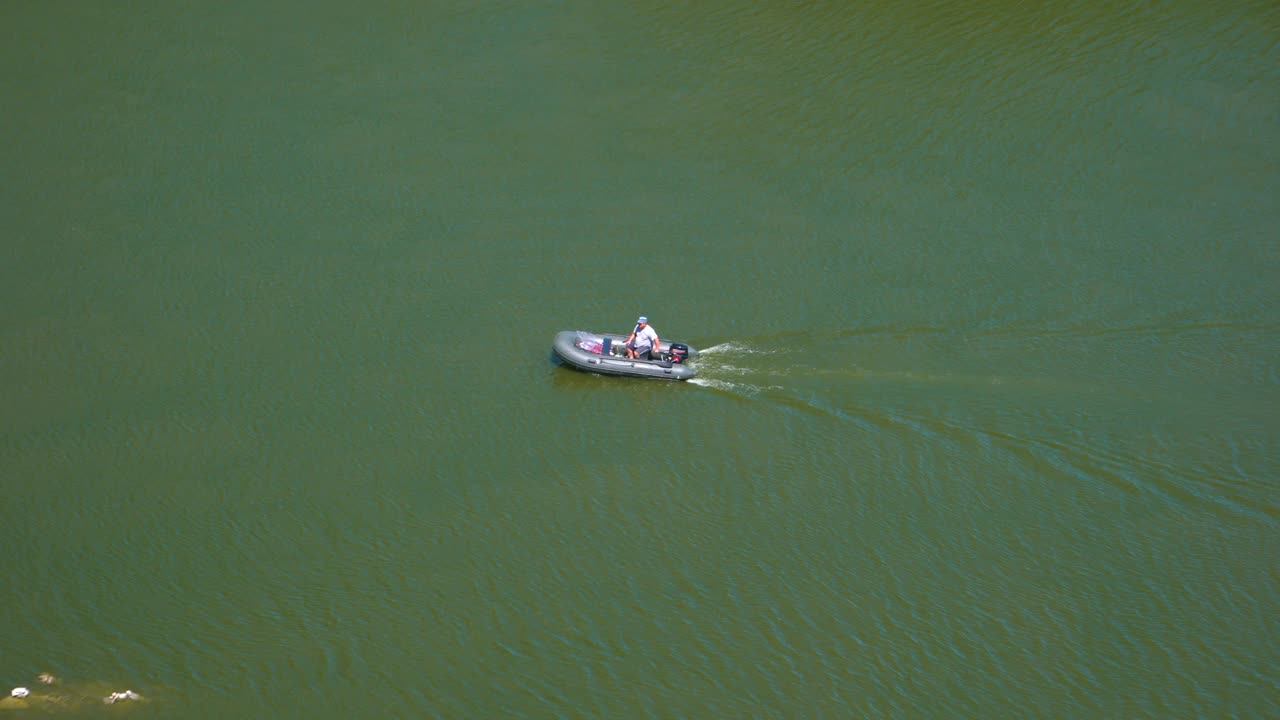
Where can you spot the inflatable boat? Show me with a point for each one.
(605, 355)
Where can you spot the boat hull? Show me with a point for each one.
(566, 347)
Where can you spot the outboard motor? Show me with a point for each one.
(679, 352)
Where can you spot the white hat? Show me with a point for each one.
(20, 692)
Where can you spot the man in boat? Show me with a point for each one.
(643, 342)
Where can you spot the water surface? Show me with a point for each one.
(985, 426)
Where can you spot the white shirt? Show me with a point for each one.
(645, 338)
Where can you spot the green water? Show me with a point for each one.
(986, 426)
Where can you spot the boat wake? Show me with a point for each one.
(750, 369)
(716, 370)
(738, 388)
(735, 347)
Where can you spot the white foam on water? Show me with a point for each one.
(725, 385)
(737, 388)
(725, 369)
(714, 369)
(736, 347)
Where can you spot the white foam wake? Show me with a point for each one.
(734, 347)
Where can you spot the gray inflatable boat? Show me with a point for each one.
(604, 354)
